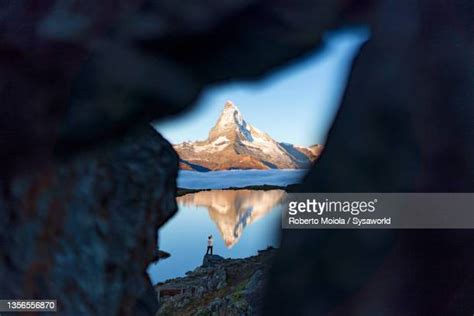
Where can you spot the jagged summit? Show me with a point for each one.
(235, 144)
(230, 124)
(230, 115)
(230, 106)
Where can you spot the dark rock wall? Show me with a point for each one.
(84, 231)
(405, 125)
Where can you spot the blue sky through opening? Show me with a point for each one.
(296, 104)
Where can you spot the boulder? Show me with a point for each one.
(84, 231)
(254, 291)
(212, 260)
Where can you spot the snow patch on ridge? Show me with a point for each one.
(220, 140)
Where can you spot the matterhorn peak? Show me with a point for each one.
(235, 144)
(230, 123)
(230, 114)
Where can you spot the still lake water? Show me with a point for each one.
(241, 221)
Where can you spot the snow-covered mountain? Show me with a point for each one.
(235, 144)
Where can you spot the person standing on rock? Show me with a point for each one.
(210, 244)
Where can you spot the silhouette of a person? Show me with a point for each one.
(210, 244)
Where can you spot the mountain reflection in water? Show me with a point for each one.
(246, 220)
(233, 210)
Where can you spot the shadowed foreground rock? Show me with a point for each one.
(211, 260)
(405, 125)
(83, 232)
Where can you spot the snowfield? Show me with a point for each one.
(237, 178)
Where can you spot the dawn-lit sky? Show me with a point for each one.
(296, 104)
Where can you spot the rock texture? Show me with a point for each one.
(219, 287)
(211, 260)
(83, 232)
(235, 144)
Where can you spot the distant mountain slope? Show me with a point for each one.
(235, 144)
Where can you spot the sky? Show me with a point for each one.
(296, 104)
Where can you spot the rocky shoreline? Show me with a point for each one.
(292, 188)
(218, 287)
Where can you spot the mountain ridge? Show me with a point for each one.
(233, 143)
